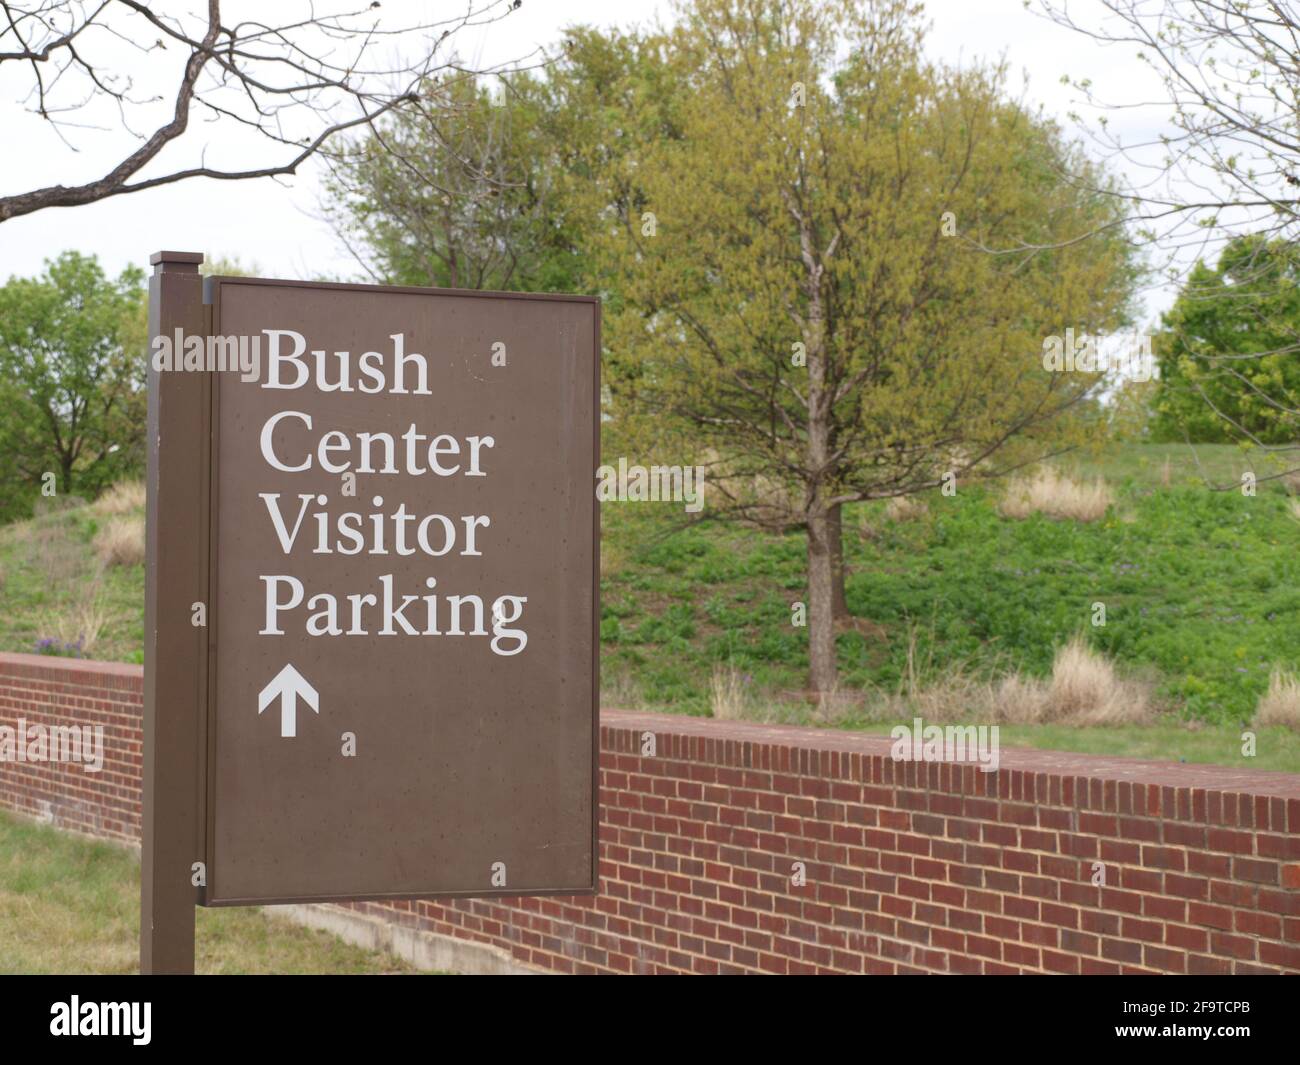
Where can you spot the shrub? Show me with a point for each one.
(125, 497)
(1048, 492)
(121, 542)
(1280, 705)
(1085, 689)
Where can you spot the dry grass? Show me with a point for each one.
(766, 502)
(1056, 496)
(1280, 705)
(59, 559)
(125, 497)
(121, 542)
(1294, 506)
(612, 560)
(906, 508)
(733, 696)
(45, 505)
(922, 689)
(1084, 690)
(830, 708)
(729, 697)
(1017, 700)
(621, 692)
(83, 622)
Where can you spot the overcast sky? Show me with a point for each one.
(271, 222)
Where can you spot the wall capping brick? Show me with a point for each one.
(739, 743)
(78, 671)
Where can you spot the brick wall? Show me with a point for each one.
(910, 867)
(53, 692)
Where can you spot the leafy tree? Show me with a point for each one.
(1225, 166)
(492, 182)
(72, 379)
(1230, 350)
(458, 194)
(800, 291)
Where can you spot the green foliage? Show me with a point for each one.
(460, 193)
(54, 592)
(789, 298)
(1202, 590)
(1230, 351)
(72, 380)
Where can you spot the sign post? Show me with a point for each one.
(175, 653)
(384, 681)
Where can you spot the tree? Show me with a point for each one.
(799, 293)
(1230, 352)
(72, 358)
(459, 193)
(1229, 167)
(496, 183)
(292, 83)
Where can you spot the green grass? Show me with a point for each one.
(1201, 590)
(53, 587)
(71, 905)
(1147, 465)
(1277, 749)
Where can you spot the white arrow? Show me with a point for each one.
(288, 685)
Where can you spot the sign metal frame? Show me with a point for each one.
(179, 804)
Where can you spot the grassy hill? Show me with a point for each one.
(1201, 592)
(72, 579)
(958, 609)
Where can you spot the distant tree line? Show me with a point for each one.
(72, 382)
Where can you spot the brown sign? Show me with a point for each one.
(401, 574)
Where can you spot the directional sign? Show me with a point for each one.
(401, 535)
(288, 686)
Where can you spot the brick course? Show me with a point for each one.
(51, 692)
(910, 867)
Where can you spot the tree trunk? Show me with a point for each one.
(821, 594)
(823, 532)
(835, 521)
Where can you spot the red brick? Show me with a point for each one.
(1232, 946)
(913, 867)
(1190, 939)
(1210, 916)
(1255, 871)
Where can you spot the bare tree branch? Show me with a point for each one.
(296, 83)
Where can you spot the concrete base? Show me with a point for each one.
(427, 951)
